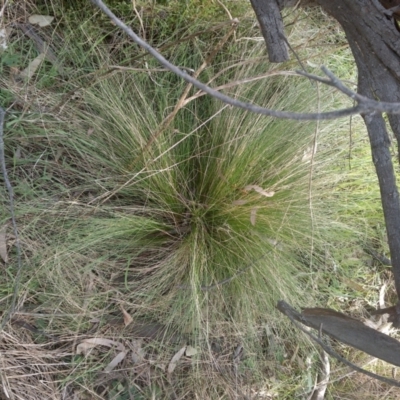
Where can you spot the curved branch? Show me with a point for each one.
(364, 105)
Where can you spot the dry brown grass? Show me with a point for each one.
(28, 370)
(34, 366)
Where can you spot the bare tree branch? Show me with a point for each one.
(182, 101)
(364, 105)
(294, 316)
(373, 105)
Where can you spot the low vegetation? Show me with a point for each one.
(161, 226)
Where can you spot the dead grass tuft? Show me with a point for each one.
(29, 370)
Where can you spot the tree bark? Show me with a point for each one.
(269, 17)
(375, 43)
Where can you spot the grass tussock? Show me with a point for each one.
(146, 213)
(217, 191)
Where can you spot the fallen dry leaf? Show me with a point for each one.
(41, 20)
(260, 190)
(175, 359)
(58, 154)
(238, 353)
(158, 365)
(127, 318)
(30, 70)
(14, 72)
(3, 40)
(138, 352)
(18, 153)
(239, 202)
(115, 361)
(253, 216)
(309, 153)
(272, 242)
(3, 243)
(190, 351)
(88, 344)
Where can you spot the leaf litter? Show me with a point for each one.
(174, 360)
(88, 344)
(41, 20)
(260, 190)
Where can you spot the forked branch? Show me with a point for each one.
(363, 106)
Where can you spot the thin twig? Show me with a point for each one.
(379, 257)
(182, 100)
(3, 9)
(225, 9)
(7, 316)
(296, 55)
(181, 103)
(104, 73)
(323, 377)
(364, 105)
(229, 85)
(370, 106)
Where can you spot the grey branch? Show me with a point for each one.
(364, 105)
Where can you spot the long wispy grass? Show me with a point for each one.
(205, 220)
(200, 224)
